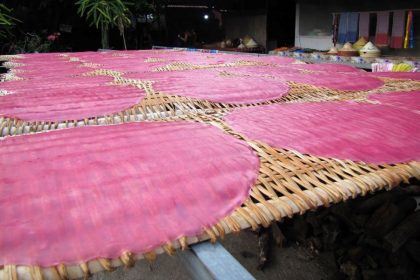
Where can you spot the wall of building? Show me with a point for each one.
(314, 21)
(238, 25)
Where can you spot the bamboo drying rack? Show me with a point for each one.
(289, 183)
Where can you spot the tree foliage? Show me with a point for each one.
(104, 12)
(6, 20)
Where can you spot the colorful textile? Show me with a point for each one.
(348, 25)
(352, 27)
(398, 24)
(382, 29)
(382, 67)
(342, 28)
(97, 192)
(409, 32)
(364, 21)
(343, 130)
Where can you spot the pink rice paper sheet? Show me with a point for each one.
(104, 60)
(39, 57)
(140, 61)
(44, 59)
(269, 59)
(348, 81)
(327, 67)
(135, 61)
(202, 57)
(46, 66)
(226, 58)
(403, 100)
(124, 64)
(211, 85)
(54, 89)
(274, 71)
(124, 55)
(397, 75)
(97, 192)
(49, 73)
(31, 84)
(337, 81)
(295, 69)
(67, 98)
(120, 61)
(342, 130)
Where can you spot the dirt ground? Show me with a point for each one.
(289, 263)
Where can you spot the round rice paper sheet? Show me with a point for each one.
(343, 130)
(97, 192)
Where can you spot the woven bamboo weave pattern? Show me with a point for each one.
(210, 97)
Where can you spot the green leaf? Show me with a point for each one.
(105, 13)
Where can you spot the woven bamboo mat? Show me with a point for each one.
(288, 183)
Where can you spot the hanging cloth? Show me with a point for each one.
(382, 29)
(364, 21)
(342, 28)
(347, 28)
(398, 24)
(412, 31)
(352, 25)
(409, 32)
(336, 18)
